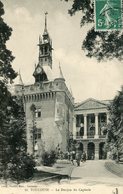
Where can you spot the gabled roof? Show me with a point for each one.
(90, 104)
(106, 101)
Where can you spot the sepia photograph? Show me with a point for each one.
(61, 96)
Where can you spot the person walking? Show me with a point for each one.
(78, 158)
(71, 157)
(84, 157)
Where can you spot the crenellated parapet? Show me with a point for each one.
(45, 90)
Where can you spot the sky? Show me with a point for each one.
(86, 77)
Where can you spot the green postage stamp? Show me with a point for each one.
(108, 15)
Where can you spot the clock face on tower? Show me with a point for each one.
(38, 70)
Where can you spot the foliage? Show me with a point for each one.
(87, 9)
(100, 45)
(6, 57)
(104, 45)
(22, 166)
(72, 145)
(15, 160)
(114, 142)
(13, 157)
(49, 158)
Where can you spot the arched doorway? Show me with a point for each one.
(80, 148)
(102, 153)
(91, 151)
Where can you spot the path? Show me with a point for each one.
(94, 172)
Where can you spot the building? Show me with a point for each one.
(52, 117)
(48, 103)
(90, 121)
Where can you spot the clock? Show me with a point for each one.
(38, 70)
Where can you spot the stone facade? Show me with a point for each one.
(90, 127)
(52, 117)
(48, 104)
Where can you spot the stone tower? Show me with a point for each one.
(43, 69)
(48, 104)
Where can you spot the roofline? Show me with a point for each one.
(83, 102)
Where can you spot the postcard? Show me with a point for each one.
(61, 93)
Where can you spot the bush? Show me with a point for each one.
(22, 167)
(49, 158)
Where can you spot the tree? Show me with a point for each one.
(6, 57)
(103, 45)
(6, 74)
(16, 162)
(114, 141)
(21, 164)
(13, 156)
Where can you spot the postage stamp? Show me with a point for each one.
(108, 15)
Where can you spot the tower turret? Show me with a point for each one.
(45, 56)
(19, 85)
(60, 75)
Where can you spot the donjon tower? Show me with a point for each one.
(48, 104)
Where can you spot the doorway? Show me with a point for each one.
(91, 151)
(102, 153)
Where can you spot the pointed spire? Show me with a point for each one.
(60, 74)
(19, 81)
(45, 29)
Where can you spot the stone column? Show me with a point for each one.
(74, 127)
(85, 126)
(96, 126)
(96, 151)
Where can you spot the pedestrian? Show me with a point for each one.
(68, 154)
(78, 158)
(92, 156)
(84, 156)
(72, 157)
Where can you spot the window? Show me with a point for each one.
(45, 59)
(38, 133)
(38, 113)
(79, 120)
(46, 50)
(42, 51)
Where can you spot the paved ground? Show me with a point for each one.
(94, 172)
